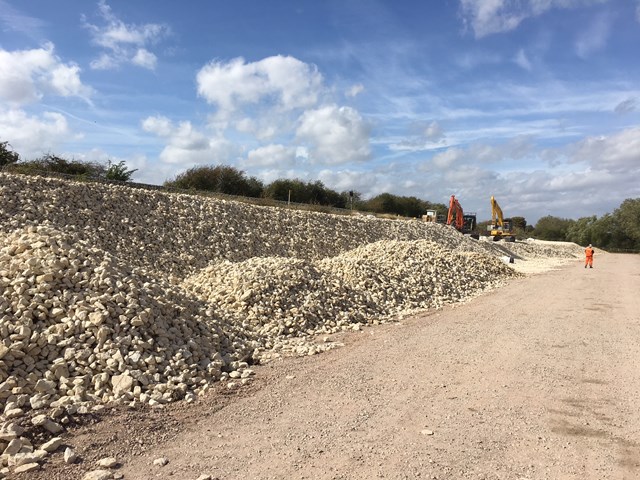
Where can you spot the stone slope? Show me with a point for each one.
(110, 294)
(177, 234)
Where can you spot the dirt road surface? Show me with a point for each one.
(539, 379)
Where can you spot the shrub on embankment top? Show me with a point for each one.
(52, 164)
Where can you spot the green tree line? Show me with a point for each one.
(231, 181)
(617, 231)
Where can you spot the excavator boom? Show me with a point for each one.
(463, 223)
(455, 212)
(500, 227)
(496, 213)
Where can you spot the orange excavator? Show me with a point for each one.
(463, 223)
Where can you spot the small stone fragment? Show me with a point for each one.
(27, 467)
(161, 462)
(70, 455)
(99, 474)
(14, 447)
(52, 445)
(108, 462)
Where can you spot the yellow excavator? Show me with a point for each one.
(500, 228)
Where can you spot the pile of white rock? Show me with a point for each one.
(111, 295)
(177, 235)
(278, 298)
(77, 327)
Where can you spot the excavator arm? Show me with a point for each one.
(496, 213)
(455, 212)
(500, 227)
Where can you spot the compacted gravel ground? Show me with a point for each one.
(538, 379)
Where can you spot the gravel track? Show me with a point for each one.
(536, 380)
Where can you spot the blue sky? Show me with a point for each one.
(536, 102)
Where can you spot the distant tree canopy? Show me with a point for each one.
(628, 219)
(221, 179)
(403, 206)
(7, 156)
(519, 223)
(304, 192)
(619, 230)
(552, 228)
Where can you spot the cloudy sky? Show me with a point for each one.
(536, 102)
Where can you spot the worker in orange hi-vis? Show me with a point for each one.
(588, 260)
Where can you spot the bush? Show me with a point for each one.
(53, 163)
(302, 192)
(552, 228)
(221, 179)
(7, 156)
(119, 172)
(404, 206)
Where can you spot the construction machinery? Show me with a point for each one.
(500, 228)
(433, 216)
(464, 223)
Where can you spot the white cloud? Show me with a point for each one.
(182, 135)
(522, 60)
(615, 153)
(28, 75)
(186, 145)
(595, 37)
(355, 90)
(271, 156)
(368, 183)
(487, 17)
(448, 158)
(283, 81)
(33, 135)
(145, 59)
(516, 149)
(159, 125)
(335, 135)
(65, 80)
(490, 16)
(434, 131)
(105, 62)
(262, 127)
(271, 174)
(423, 137)
(125, 43)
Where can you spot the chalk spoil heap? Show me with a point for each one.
(175, 235)
(78, 327)
(110, 294)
